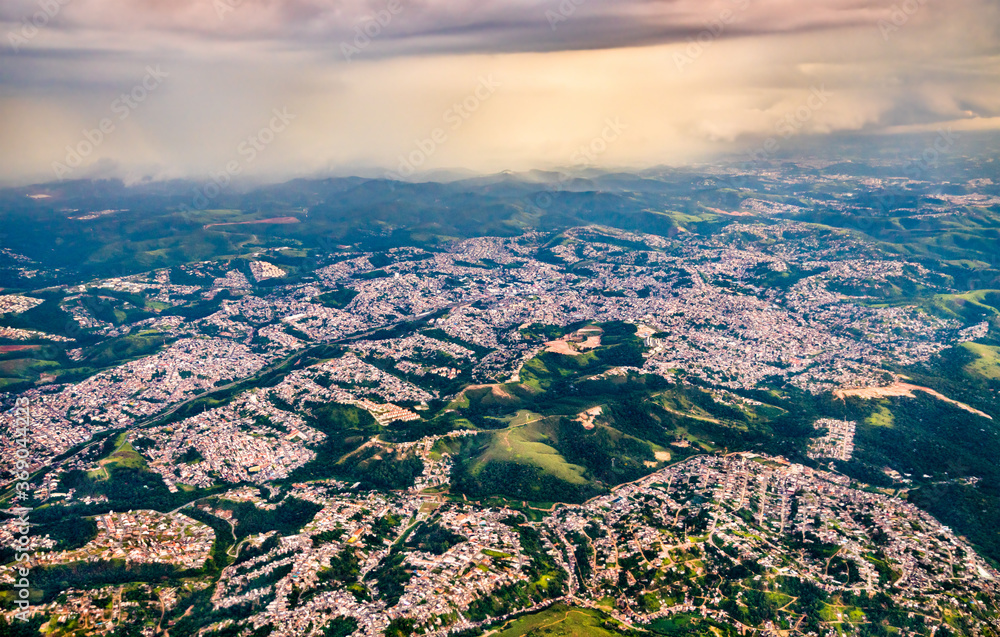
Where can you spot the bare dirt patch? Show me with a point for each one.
(584, 339)
(16, 348)
(561, 347)
(587, 418)
(500, 392)
(906, 390)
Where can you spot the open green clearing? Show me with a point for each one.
(987, 363)
(560, 620)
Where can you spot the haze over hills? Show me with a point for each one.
(156, 224)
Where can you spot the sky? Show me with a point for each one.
(272, 89)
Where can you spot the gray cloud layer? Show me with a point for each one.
(468, 26)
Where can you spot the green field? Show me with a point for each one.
(522, 417)
(970, 307)
(528, 445)
(881, 417)
(560, 620)
(125, 457)
(987, 363)
(682, 625)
